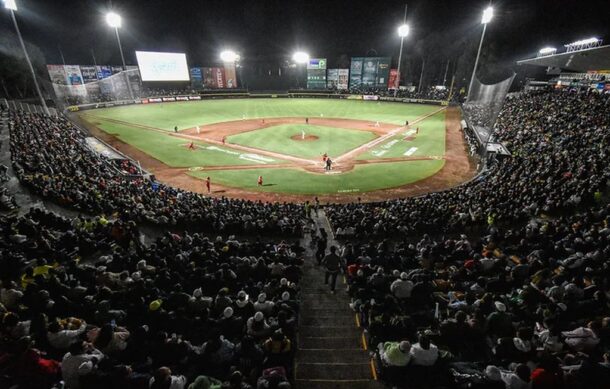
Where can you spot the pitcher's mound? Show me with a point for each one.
(308, 138)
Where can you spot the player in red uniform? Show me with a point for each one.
(260, 181)
(192, 146)
(306, 120)
(208, 184)
(224, 139)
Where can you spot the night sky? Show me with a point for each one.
(324, 28)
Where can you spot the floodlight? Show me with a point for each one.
(488, 14)
(113, 19)
(10, 4)
(547, 50)
(300, 57)
(229, 56)
(582, 42)
(403, 30)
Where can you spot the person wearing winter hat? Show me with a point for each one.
(402, 287)
(263, 305)
(257, 326)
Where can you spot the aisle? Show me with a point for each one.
(331, 351)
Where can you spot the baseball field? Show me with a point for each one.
(375, 155)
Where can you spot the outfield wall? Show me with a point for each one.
(241, 95)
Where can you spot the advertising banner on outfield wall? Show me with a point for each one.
(196, 77)
(343, 79)
(369, 72)
(393, 79)
(213, 78)
(355, 72)
(103, 72)
(230, 75)
(89, 74)
(332, 79)
(73, 75)
(57, 74)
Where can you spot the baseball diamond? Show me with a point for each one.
(374, 154)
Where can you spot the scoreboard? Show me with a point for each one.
(316, 73)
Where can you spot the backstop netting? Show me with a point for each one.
(484, 105)
(125, 85)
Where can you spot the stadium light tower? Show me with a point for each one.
(229, 56)
(300, 57)
(11, 5)
(488, 14)
(403, 31)
(115, 21)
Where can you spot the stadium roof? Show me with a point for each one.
(597, 58)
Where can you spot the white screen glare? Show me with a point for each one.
(162, 66)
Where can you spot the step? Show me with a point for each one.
(327, 312)
(329, 331)
(353, 343)
(338, 384)
(331, 356)
(334, 371)
(339, 320)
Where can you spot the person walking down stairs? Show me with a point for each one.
(332, 265)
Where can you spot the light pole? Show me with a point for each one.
(11, 5)
(403, 31)
(487, 16)
(114, 20)
(300, 57)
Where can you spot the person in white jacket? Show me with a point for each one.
(424, 353)
(61, 338)
(80, 360)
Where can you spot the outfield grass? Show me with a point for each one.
(173, 152)
(192, 113)
(363, 178)
(429, 142)
(331, 140)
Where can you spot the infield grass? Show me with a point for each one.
(174, 152)
(331, 140)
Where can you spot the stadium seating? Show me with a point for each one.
(501, 282)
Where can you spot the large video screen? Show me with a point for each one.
(162, 66)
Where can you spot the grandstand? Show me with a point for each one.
(148, 241)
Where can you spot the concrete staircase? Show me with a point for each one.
(331, 349)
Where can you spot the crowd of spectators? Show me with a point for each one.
(84, 302)
(522, 299)
(560, 144)
(522, 302)
(51, 156)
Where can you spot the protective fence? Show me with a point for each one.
(125, 85)
(484, 105)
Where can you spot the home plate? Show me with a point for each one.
(410, 151)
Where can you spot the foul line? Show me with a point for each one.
(375, 142)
